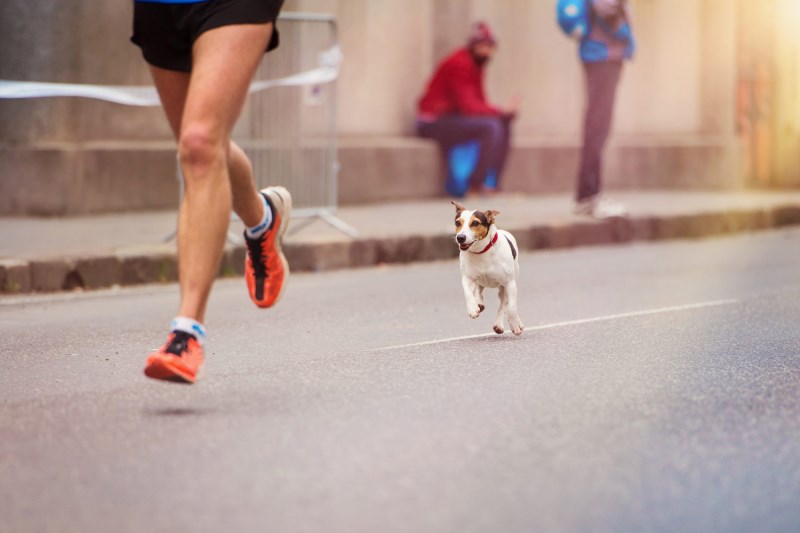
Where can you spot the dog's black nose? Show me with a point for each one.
(461, 238)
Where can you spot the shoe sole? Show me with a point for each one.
(161, 370)
(285, 198)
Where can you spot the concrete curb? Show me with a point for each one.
(100, 271)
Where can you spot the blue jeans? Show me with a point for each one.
(492, 132)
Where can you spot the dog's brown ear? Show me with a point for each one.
(459, 207)
(490, 216)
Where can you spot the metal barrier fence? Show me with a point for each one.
(288, 125)
(289, 132)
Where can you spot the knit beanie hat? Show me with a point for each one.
(480, 32)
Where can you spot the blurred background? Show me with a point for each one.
(710, 101)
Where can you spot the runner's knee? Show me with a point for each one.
(200, 148)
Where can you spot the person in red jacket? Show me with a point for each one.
(454, 108)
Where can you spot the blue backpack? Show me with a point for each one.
(574, 17)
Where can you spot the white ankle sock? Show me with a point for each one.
(189, 325)
(259, 229)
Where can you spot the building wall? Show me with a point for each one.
(391, 50)
(679, 93)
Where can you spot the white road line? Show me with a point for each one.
(675, 309)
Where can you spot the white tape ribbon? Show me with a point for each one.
(328, 71)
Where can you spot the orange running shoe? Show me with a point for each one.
(178, 360)
(265, 267)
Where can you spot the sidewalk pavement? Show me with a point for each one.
(52, 254)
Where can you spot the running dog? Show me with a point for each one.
(488, 258)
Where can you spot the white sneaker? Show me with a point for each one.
(599, 208)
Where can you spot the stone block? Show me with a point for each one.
(680, 227)
(786, 215)
(54, 275)
(643, 228)
(71, 181)
(401, 250)
(745, 220)
(111, 177)
(300, 257)
(36, 182)
(98, 272)
(333, 255)
(697, 162)
(389, 169)
(138, 269)
(758, 219)
(438, 247)
(363, 252)
(540, 168)
(15, 276)
(114, 180)
(536, 238)
(318, 257)
(592, 233)
(567, 235)
(622, 229)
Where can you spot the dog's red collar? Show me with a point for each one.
(491, 243)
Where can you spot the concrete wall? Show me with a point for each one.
(675, 122)
(68, 155)
(769, 100)
(685, 46)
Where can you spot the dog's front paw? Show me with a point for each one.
(474, 311)
(516, 327)
(498, 328)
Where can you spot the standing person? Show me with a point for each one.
(202, 55)
(454, 108)
(606, 42)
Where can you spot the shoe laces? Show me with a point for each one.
(257, 256)
(179, 342)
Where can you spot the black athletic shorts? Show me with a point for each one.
(166, 32)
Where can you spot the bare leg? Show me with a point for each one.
(173, 88)
(246, 199)
(202, 111)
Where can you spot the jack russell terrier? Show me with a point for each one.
(488, 258)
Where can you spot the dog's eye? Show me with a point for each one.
(475, 224)
(458, 222)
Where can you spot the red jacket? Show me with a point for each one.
(456, 87)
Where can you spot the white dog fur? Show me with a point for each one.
(489, 258)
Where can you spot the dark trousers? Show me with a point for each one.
(492, 132)
(601, 87)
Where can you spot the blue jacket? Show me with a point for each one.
(608, 39)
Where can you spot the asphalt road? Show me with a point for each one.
(656, 388)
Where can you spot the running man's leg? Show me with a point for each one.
(173, 87)
(202, 114)
(224, 61)
(247, 203)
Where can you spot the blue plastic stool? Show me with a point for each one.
(461, 161)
